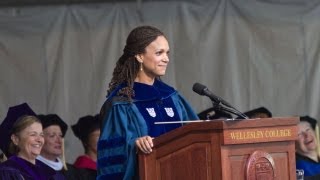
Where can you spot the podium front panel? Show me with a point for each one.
(224, 150)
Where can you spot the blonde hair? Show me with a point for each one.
(63, 157)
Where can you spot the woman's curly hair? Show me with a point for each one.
(127, 66)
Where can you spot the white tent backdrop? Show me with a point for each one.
(252, 53)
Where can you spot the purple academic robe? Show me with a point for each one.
(17, 168)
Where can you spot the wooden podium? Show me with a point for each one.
(255, 149)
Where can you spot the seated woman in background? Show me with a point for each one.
(22, 140)
(307, 150)
(87, 130)
(52, 153)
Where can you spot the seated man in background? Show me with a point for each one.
(260, 112)
(87, 130)
(212, 113)
(307, 150)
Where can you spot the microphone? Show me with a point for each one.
(204, 91)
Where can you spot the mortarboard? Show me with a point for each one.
(53, 119)
(14, 113)
(310, 120)
(260, 110)
(85, 126)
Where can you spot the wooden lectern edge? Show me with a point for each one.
(220, 124)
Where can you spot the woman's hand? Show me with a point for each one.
(145, 144)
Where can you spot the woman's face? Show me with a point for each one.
(93, 140)
(52, 147)
(155, 59)
(306, 138)
(30, 141)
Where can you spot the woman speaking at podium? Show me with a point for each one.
(137, 98)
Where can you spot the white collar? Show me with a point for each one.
(56, 165)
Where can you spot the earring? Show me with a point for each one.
(141, 67)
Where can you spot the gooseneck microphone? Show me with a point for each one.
(216, 100)
(204, 91)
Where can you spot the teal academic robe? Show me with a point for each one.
(124, 121)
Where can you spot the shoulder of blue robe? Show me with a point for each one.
(184, 109)
(145, 92)
(310, 168)
(122, 124)
(159, 90)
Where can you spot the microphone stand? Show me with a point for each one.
(219, 106)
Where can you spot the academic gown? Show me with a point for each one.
(87, 165)
(71, 173)
(310, 167)
(124, 121)
(74, 173)
(16, 168)
(84, 161)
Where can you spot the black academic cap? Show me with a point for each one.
(14, 113)
(310, 120)
(263, 110)
(53, 119)
(85, 126)
(211, 113)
